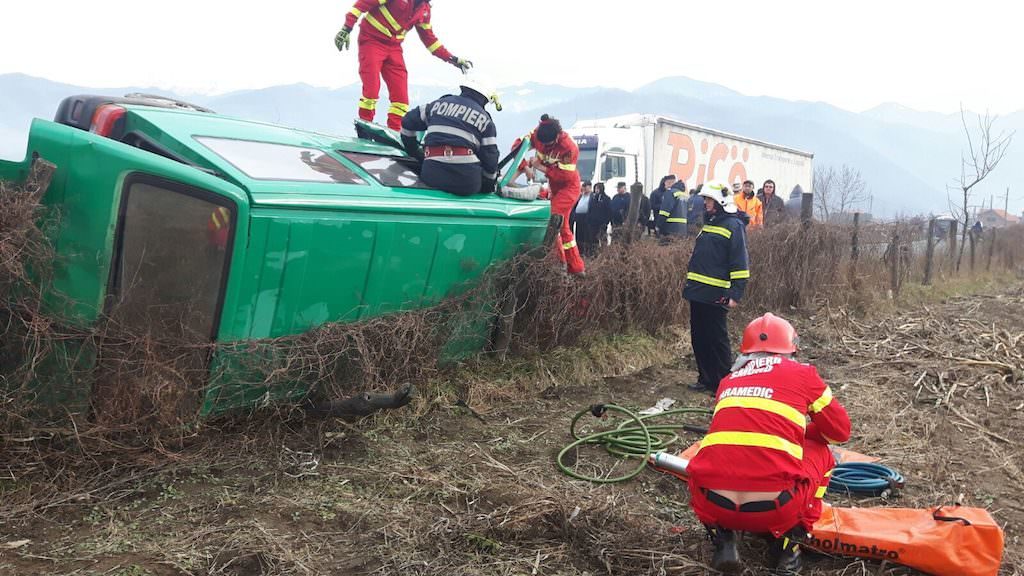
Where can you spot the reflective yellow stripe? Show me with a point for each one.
(820, 404)
(398, 108)
(368, 103)
(821, 492)
(754, 439)
(773, 406)
(708, 280)
(679, 193)
(718, 230)
(355, 12)
(569, 245)
(426, 26)
(739, 274)
(677, 220)
(829, 473)
(391, 19)
(433, 47)
(215, 220)
(380, 27)
(664, 212)
(567, 167)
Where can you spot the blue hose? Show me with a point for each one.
(865, 478)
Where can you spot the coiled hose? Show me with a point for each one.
(636, 437)
(865, 478)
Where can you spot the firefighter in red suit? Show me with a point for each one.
(385, 24)
(763, 467)
(556, 157)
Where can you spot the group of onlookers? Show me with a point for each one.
(672, 210)
(591, 216)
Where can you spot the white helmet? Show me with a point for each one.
(483, 88)
(720, 193)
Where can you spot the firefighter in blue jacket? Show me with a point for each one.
(460, 148)
(715, 281)
(671, 217)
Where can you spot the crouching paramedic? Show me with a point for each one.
(762, 467)
(460, 147)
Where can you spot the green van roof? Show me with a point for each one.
(289, 168)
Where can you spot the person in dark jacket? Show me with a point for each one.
(773, 207)
(671, 218)
(643, 215)
(656, 199)
(619, 205)
(460, 148)
(715, 280)
(579, 222)
(599, 215)
(695, 211)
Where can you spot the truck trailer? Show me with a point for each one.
(644, 147)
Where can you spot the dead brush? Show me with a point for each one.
(635, 287)
(792, 264)
(147, 386)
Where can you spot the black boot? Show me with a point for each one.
(701, 387)
(726, 558)
(785, 552)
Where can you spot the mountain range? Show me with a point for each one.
(907, 157)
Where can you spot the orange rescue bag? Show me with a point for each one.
(944, 541)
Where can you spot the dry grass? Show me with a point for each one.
(405, 493)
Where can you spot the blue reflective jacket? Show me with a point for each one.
(718, 268)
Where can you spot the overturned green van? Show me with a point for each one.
(239, 230)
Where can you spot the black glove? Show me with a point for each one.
(341, 40)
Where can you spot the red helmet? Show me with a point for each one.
(769, 333)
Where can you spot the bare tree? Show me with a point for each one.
(984, 152)
(838, 191)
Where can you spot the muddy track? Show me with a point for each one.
(937, 391)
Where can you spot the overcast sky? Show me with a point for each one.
(930, 55)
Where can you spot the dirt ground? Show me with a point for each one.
(936, 390)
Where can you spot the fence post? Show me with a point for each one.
(636, 192)
(855, 250)
(970, 240)
(929, 254)
(991, 251)
(806, 208)
(952, 242)
(894, 263)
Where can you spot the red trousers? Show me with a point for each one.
(376, 60)
(562, 202)
(804, 509)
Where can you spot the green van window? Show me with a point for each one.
(391, 171)
(172, 260)
(269, 161)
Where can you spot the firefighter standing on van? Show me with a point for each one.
(385, 24)
(460, 147)
(762, 467)
(715, 280)
(556, 157)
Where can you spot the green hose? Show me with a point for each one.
(631, 438)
